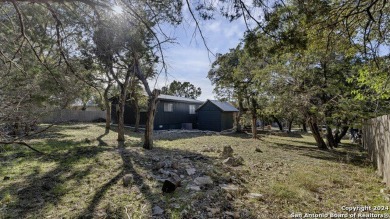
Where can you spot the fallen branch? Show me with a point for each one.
(23, 143)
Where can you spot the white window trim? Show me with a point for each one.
(168, 107)
(189, 108)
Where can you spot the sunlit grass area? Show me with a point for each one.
(82, 176)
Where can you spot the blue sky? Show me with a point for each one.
(188, 59)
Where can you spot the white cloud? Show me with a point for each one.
(213, 26)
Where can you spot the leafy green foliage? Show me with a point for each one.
(182, 89)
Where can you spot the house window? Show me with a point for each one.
(168, 107)
(192, 109)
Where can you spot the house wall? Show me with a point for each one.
(209, 118)
(129, 115)
(227, 120)
(173, 120)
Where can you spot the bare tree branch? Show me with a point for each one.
(199, 29)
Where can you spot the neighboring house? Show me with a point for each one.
(217, 116)
(182, 113)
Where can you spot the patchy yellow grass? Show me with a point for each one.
(82, 177)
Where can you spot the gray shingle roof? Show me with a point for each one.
(179, 99)
(223, 106)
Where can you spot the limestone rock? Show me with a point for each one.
(227, 152)
(256, 196)
(157, 210)
(190, 171)
(127, 180)
(193, 187)
(231, 189)
(202, 181)
(234, 161)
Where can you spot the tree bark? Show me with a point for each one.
(108, 107)
(254, 118)
(137, 114)
(316, 134)
(239, 114)
(304, 128)
(121, 119)
(122, 102)
(278, 122)
(341, 134)
(152, 102)
(331, 143)
(290, 122)
(254, 127)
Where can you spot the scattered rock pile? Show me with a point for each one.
(229, 158)
(234, 161)
(213, 185)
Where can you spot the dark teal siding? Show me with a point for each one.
(212, 118)
(209, 118)
(173, 120)
(163, 120)
(129, 115)
(227, 120)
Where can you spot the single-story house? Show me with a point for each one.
(215, 115)
(176, 112)
(180, 113)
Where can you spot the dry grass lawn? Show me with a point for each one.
(82, 177)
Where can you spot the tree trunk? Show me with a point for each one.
(278, 122)
(254, 127)
(239, 114)
(316, 134)
(121, 118)
(254, 118)
(108, 115)
(124, 85)
(137, 114)
(340, 135)
(304, 128)
(290, 122)
(331, 143)
(108, 107)
(237, 121)
(152, 102)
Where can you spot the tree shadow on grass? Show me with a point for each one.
(99, 139)
(37, 191)
(140, 164)
(342, 154)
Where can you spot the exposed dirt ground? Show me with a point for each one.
(83, 176)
